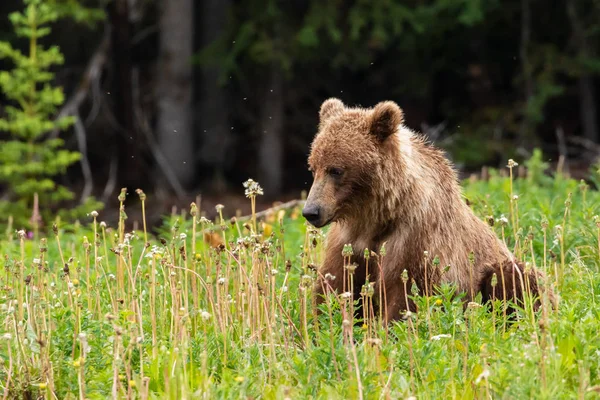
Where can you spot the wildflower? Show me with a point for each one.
(367, 289)
(21, 234)
(252, 188)
(515, 197)
(439, 302)
(306, 279)
(131, 383)
(494, 280)
(414, 289)
(94, 214)
(239, 379)
(352, 267)
(503, 220)
(404, 276)
(347, 250)
(329, 277)
(219, 207)
(383, 251)
(346, 295)
(43, 385)
(512, 163)
(484, 375)
(442, 336)
(7, 336)
(205, 315)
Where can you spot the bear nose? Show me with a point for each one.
(311, 213)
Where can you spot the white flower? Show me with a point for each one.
(252, 188)
(483, 375)
(94, 214)
(182, 236)
(346, 295)
(205, 315)
(502, 220)
(438, 337)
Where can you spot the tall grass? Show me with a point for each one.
(224, 309)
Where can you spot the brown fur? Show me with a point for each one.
(395, 188)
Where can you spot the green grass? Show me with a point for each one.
(107, 315)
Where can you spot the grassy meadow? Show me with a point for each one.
(223, 309)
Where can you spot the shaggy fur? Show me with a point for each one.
(378, 182)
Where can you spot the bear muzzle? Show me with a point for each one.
(313, 214)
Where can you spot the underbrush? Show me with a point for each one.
(224, 309)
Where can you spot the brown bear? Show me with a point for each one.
(379, 182)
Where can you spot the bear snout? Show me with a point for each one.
(312, 213)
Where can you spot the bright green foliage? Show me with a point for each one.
(179, 319)
(32, 158)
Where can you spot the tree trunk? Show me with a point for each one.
(126, 144)
(174, 88)
(588, 108)
(526, 122)
(587, 96)
(213, 105)
(271, 143)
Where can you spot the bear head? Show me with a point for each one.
(346, 153)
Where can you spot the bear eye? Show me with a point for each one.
(335, 172)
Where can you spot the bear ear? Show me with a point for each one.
(385, 119)
(330, 107)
